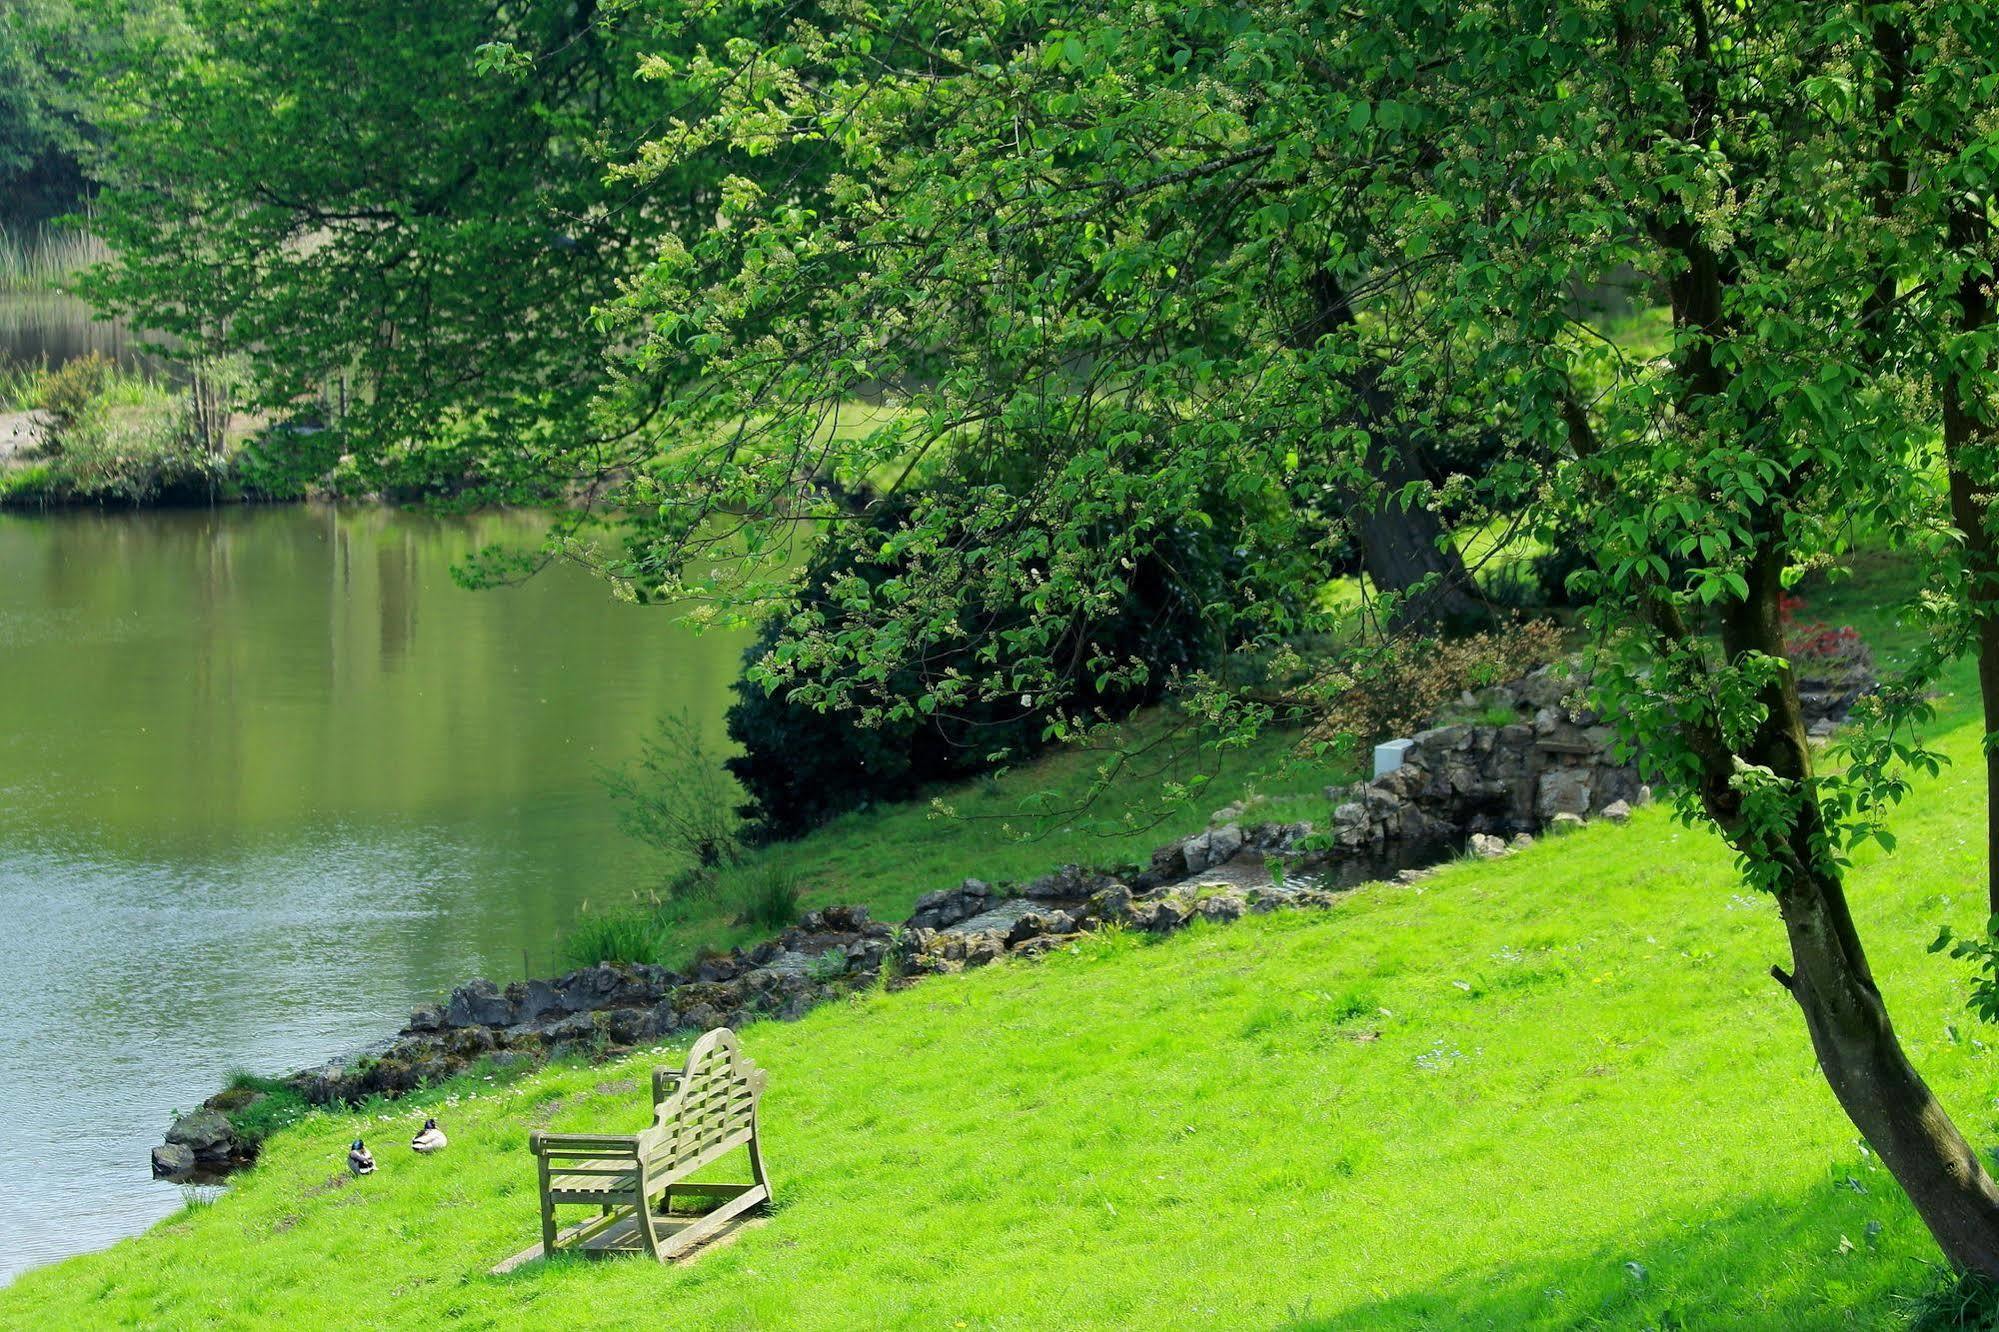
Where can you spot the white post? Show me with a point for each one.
(1388, 756)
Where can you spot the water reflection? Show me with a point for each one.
(53, 328)
(267, 777)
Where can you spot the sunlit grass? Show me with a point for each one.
(1554, 1090)
(1010, 826)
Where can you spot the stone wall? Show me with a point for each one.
(1555, 758)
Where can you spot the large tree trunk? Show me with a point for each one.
(1405, 548)
(1967, 445)
(1857, 1048)
(1408, 551)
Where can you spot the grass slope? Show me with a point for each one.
(1009, 826)
(1556, 1090)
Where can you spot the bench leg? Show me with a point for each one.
(642, 1209)
(757, 1157)
(547, 1214)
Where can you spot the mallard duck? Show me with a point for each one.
(430, 1138)
(360, 1160)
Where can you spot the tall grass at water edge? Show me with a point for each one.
(43, 258)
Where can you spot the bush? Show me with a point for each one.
(800, 766)
(287, 460)
(625, 934)
(1396, 686)
(70, 394)
(678, 797)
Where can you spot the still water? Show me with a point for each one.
(268, 778)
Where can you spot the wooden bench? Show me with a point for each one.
(700, 1113)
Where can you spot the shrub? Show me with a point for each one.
(1821, 650)
(1396, 686)
(771, 900)
(800, 766)
(286, 460)
(70, 394)
(678, 797)
(130, 458)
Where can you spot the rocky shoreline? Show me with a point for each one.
(1481, 787)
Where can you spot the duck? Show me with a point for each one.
(430, 1138)
(360, 1160)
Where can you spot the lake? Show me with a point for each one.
(268, 777)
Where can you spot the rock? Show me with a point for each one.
(236, 1099)
(575, 1027)
(1161, 915)
(629, 1026)
(533, 1000)
(425, 1017)
(1222, 907)
(1644, 796)
(1487, 847)
(1564, 790)
(1564, 823)
(983, 947)
(939, 910)
(1068, 884)
(478, 1003)
(1617, 811)
(206, 1134)
(608, 985)
(1223, 843)
(848, 919)
(1111, 904)
(1044, 943)
(1034, 924)
(709, 970)
(173, 1159)
(1521, 841)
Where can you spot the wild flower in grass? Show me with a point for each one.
(1440, 1056)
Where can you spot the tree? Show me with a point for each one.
(42, 125)
(404, 213)
(1165, 247)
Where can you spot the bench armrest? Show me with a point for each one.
(584, 1144)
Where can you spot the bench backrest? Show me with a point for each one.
(705, 1106)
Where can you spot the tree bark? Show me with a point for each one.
(1405, 548)
(1967, 440)
(1408, 551)
(1847, 1018)
(1857, 1049)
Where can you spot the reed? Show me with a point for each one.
(43, 258)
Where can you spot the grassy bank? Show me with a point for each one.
(1557, 1090)
(104, 434)
(1009, 827)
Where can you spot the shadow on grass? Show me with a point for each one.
(1861, 1260)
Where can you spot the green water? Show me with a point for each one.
(267, 778)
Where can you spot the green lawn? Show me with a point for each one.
(1556, 1090)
